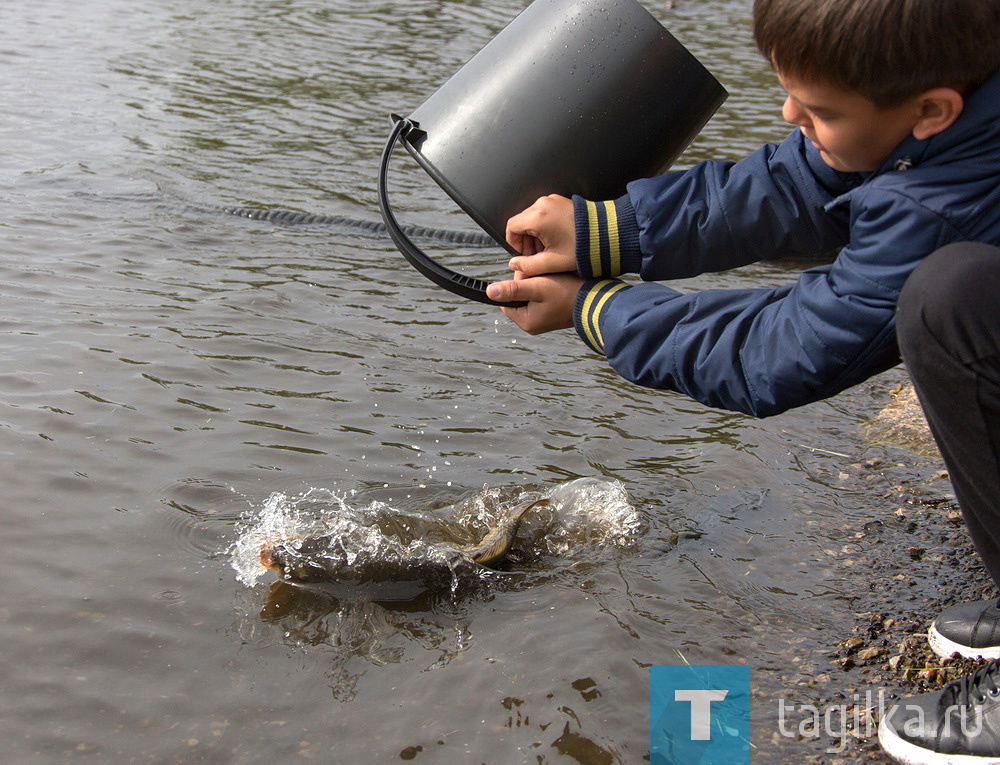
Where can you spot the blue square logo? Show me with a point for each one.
(700, 714)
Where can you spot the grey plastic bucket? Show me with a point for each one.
(572, 97)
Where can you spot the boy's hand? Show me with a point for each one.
(545, 235)
(550, 300)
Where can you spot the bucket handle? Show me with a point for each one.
(465, 286)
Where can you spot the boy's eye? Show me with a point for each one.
(824, 115)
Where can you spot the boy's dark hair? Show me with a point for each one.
(885, 50)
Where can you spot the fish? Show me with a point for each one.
(323, 557)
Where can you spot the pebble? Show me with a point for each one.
(869, 653)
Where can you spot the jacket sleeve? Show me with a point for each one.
(762, 351)
(715, 216)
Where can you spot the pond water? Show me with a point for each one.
(172, 374)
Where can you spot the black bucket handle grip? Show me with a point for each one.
(465, 286)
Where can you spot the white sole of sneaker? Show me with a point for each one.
(944, 647)
(911, 754)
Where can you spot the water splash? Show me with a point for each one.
(281, 517)
(581, 515)
(590, 512)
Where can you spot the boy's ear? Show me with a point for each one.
(939, 108)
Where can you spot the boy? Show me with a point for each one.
(896, 155)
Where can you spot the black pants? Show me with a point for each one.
(948, 326)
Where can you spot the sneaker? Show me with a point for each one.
(969, 629)
(958, 725)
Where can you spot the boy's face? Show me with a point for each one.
(851, 133)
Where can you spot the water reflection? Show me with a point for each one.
(356, 627)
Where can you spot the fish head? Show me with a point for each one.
(289, 560)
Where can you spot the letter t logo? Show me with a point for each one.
(701, 710)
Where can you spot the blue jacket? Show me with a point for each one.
(762, 351)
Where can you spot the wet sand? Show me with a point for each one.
(913, 559)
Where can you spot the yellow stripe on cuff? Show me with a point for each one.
(595, 239)
(595, 319)
(585, 316)
(615, 254)
(589, 316)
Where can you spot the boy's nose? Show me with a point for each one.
(793, 113)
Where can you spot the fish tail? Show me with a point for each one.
(519, 513)
(495, 544)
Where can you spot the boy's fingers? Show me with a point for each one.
(545, 262)
(523, 229)
(502, 292)
(535, 265)
(517, 231)
(530, 245)
(496, 291)
(522, 264)
(522, 240)
(509, 291)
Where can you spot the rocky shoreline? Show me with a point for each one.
(919, 560)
